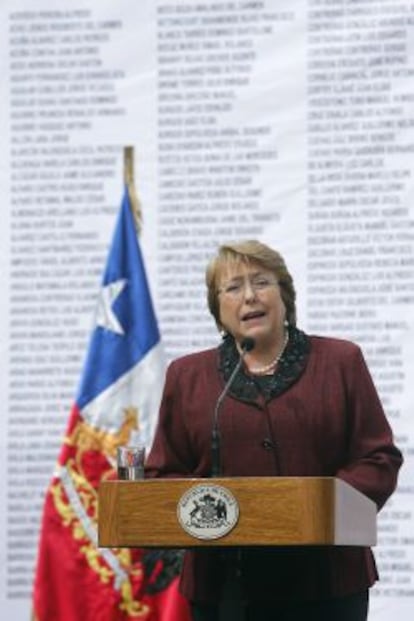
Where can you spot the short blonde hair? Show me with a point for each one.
(246, 252)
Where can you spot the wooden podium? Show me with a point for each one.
(272, 511)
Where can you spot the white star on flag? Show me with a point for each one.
(105, 316)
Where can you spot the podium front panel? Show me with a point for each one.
(272, 511)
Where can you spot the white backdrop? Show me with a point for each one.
(288, 122)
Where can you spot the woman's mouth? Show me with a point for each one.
(252, 315)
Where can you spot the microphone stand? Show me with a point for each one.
(246, 345)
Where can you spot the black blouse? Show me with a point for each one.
(290, 367)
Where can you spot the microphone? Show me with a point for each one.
(246, 345)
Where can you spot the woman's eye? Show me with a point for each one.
(261, 283)
(232, 288)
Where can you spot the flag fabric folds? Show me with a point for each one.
(118, 398)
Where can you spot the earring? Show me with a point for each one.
(286, 323)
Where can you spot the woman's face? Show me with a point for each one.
(251, 304)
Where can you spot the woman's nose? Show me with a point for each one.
(249, 290)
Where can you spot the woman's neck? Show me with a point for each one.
(263, 360)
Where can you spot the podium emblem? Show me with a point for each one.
(208, 511)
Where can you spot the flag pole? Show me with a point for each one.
(130, 185)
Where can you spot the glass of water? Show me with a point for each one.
(130, 462)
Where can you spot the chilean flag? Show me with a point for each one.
(118, 399)
(125, 363)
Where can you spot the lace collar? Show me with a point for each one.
(289, 369)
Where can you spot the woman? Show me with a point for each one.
(299, 406)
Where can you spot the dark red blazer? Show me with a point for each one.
(327, 421)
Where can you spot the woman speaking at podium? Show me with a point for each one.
(285, 404)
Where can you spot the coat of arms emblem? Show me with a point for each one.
(208, 511)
